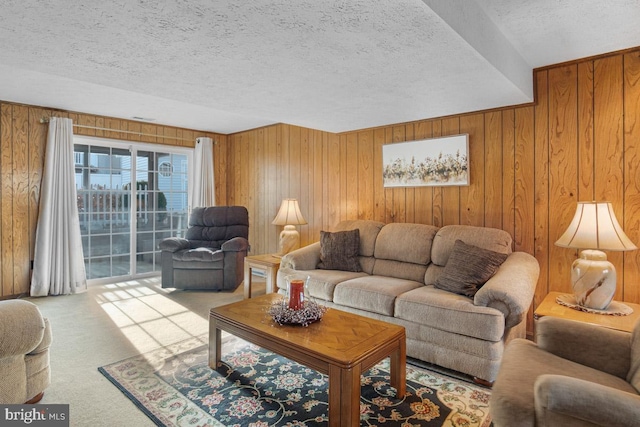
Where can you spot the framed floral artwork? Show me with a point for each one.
(429, 162)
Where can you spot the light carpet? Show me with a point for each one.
(174, 386)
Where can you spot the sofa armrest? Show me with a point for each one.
(306, 258)
(512, 288)
(600, 348)
(561, 400)
(237, 244)
(174, 244)
(22, 327)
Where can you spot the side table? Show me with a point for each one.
(268, 263)
(549, 307)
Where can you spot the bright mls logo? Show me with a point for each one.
(34, 415)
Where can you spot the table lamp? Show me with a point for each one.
(594, 228)
(289, 215)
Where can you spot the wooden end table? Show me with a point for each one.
(268, 263)
(342, 345)
(549, 307)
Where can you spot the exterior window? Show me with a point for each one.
(129, 199)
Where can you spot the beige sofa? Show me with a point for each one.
(400, 263)
(25, 337)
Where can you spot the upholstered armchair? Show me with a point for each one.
(577, 374)
(211, 256)
(25, 337)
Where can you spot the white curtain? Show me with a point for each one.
(58, 266)
(202, 183)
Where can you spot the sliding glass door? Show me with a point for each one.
(130, 197)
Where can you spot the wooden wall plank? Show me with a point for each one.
(316, 208)
(399, 193)
(563, 173)
(586, 184)
(37, 145)
(350, 171)
(365, 175)
(508, 171)
(343, 188)
(631, 220)
(472, 196)
(608, 132)
(6, 202)
(379, 192)
(541, 184)
(21, 240)
(304, 184)
(493, 170)
(260, 190)
(269, 199)
(333, 193)
(524, 179)
(220, 150)
(389, 208)
(524, 186)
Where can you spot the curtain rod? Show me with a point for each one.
(46, 120)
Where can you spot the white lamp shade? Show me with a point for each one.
(594, 226)
(289, 214)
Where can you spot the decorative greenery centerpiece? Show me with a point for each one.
(309, 313)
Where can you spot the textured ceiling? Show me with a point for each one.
(230, 65)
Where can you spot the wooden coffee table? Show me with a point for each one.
(342, 345)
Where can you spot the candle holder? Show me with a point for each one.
(296, 294)
(295, 309)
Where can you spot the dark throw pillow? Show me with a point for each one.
(339, 250)
(469, 267)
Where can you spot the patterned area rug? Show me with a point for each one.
(256, 388)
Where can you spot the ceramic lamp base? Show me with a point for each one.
(289, 240)
(594, 279)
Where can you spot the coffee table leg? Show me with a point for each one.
(398, 368)
(271, 279)
(247, 280)
(214, 344)
(344, 396)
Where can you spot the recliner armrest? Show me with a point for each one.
(237, 244)
(22, 327)
(560, 400)
(174, 244)
(595, 346)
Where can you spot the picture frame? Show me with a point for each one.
(429, 162)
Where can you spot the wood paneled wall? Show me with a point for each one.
(529, 166)
(22, 150)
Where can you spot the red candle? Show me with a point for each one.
(296, 294)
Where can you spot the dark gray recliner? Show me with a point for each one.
(211, 256)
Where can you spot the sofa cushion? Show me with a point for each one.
(468, 268)
(368, 233)
(405, 242)
(339, 250)
(403, 250)
(450, 312)
(375, 294)
(483, 237)
(321, 283)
